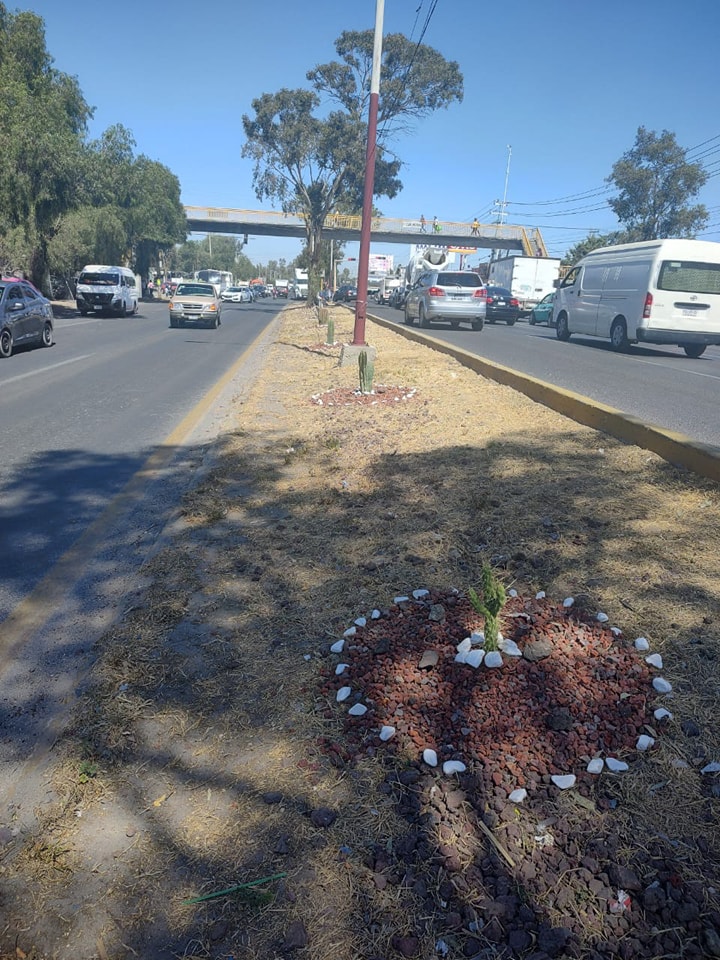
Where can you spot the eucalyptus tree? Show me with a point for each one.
(43, 120)
(655, 184)
(309, 146)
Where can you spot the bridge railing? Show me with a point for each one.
(390, 225)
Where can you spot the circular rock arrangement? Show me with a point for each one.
(492, 865)
(347, 396)
(570, 694)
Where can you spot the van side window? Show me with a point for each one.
(571, 277)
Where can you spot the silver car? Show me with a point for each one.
(458, 296)
(26, 316)
(195, 302)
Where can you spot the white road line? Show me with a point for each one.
(53, 366)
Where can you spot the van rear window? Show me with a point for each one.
(102, 279)
(689, 276)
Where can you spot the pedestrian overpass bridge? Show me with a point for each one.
(464, 236)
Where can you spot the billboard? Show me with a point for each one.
(381, 263)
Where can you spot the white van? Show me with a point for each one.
(106, 289)
(656, 291)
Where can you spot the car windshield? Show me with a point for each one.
(459, 280)
(100, 279)
(195, 290)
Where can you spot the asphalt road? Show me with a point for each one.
(659, 385)
(80, 419)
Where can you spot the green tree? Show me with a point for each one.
(655, 184)
(43, 118)
(591, 242)
(313, 165)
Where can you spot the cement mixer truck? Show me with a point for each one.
(423, 259)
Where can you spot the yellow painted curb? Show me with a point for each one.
(676, 448)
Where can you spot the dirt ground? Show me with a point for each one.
(208, 757)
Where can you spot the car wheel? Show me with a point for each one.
(135, 308)
(84, 313)
(47, 335)
(491, 319)
(478, 324)
(510, 323)
(173, 322)
(618, 336)
(215, 322)
(408, 318)
(562, 331)
(123, 310)
(531, 319)
(694, 350)
(422, 318)
(6, 343)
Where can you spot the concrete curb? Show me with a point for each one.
(676, 448)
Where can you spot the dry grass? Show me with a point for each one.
(204, 697)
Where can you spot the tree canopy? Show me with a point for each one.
(65, 201)
(313, 162)
(655, 184)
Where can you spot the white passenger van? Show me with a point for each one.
(656, 291)
(106, 289)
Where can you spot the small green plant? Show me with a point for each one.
(88, 770)
(330, 338)
(367, 371)
(492, 602)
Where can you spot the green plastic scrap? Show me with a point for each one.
(236, 889)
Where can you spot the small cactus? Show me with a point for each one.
(367, 370)
(493, 600)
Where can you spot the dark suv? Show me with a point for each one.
(458, 296)
(25, 316)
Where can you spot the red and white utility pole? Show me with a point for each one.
(364, 255)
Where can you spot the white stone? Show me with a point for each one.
(357, 710)
(493, 659)
(337, 647)
(595, 765)
(642, 644)
(616, 631)
(419, 594)
(662, 685)
(307, 656)
(474, 658)
(568, 601)
(540, 595)
(461, 657)
(341, 668)
(655, 660)
(350, 632)
(680, 764)
(563, 780)
(401, 599)
(477, 637)
(430, 757)
(602, 617)
(713, 767)
(361, 622)
(617, 766)
(464, 646)
(375, 615)
(343, 693)
(662, 714)
(512, 592)
(510, 648)
(644, 742)
(517, 796)
(387, 732)
(453, 766)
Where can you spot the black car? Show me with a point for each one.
(502, 305)
(345, 293)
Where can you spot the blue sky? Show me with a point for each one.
(565, 85)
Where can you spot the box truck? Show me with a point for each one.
(529, 279)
